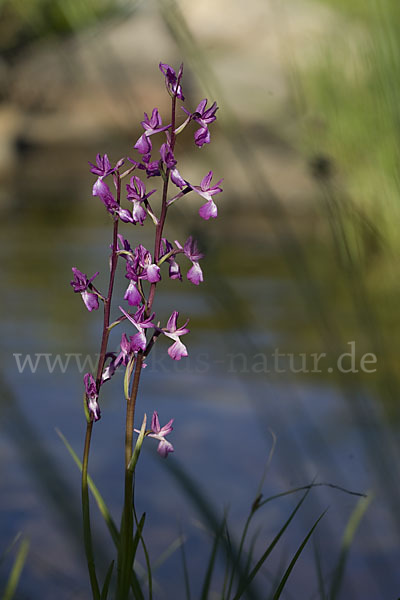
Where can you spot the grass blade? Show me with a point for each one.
(209, 514)
(348, 537)
(96, 494)
(246, 581)
(320, 577)
(185, 570)
(295, 558)
(135, 585)
(107, 580)
(16, 571)
(211, 562)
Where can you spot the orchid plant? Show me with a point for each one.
(144, 271)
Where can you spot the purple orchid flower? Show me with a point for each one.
(153, 124)
(203, 116)
(132, 294)
(137, 194)
(167, 156)
(138, 341)
(174, 268)
(81, 283)
(171, 80)
(102, 190)
(177, 179)
(122, 358)
(133, 271)
(126, 215)
(195, 274)
(206, 191)
(102, 168)
(144, 145)
(159, 433)
(91, 397)
(152, 168)
(178, 349)
(151, 271)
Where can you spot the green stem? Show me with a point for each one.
(126, 551)
(87, 533)
(125, 557)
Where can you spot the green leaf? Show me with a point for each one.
(348, 536)
(318, 566)
(138, 594)
(185, 570)
(245, 582)
(16, 571)
(107, 580)
(138, 446)
(96, 494)
(295, 558)
(211, 562)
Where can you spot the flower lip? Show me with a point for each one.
(159, 433)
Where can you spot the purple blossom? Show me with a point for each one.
(137, 194)
(190, 249)
(81, 283)
(144, 145)
(206, 191)
(125, 245)
(152, 168)
(132, 294)
(159, 433)
(102, 168)
(125, 215)
(133, 263)
(174, 269)
(151, 271)
(102, 190)
(91, 397)
(195, 274)
(140, 266)
(153, 124)
(171, 80)
(109, 371)
(203, 116)
(177, 179)
(178, 349)
(125, 353)
(167, 155)
(138, 341)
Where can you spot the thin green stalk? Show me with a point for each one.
(16, 571)
(125, 558)
(125, 554)
(87, 534)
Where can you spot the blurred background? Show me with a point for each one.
(303, 259)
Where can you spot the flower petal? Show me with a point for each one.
(195, 274)
(132, 295)
(209, 209)
(91, 300)
(177, 350)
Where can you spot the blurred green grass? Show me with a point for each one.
(351, 101)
